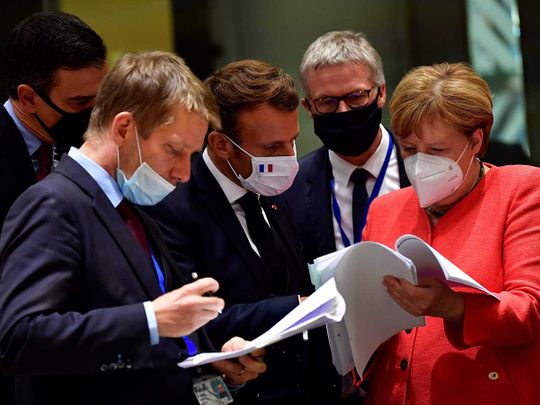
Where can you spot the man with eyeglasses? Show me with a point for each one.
(343, 81)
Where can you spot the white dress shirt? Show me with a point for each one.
(233, 192)
(343, 187)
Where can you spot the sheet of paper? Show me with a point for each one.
(430, 263)
(324, 306)
(372, 315)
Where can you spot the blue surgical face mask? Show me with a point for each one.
(145, 187)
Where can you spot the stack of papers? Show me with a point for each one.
(324, 306)
(372, 315)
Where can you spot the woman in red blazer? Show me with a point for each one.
(486, 220)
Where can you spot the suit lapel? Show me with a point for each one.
(278, 213)
(215, 200)
(317, 197)
(174, 277)
(15, 164)
(112, 221)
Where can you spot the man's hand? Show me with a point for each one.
(244, 368)
(180, 312)
(431, 297)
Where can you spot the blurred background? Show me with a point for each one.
(499, 38)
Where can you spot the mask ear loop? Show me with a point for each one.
(138, 145)
(470, 163)
(242, 149)
(138, 149)
(239, 147)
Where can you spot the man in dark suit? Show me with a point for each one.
(345, 91)
(92, 308)
(55, 66)
(230, 222)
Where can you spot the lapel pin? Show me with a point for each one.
(274, 207)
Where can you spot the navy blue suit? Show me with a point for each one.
(16, 170)
(73, 279)
(205, 236)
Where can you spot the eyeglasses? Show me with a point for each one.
(354, 100)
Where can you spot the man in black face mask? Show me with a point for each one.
(56, 64)
(345, 91)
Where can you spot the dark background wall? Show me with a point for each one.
(211, 33)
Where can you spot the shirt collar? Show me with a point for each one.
(231, 190)
(32, 141)
(342, 169)
(100, 175)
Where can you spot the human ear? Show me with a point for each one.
(477, 138)
(27, 98)
(381, 99)
(122, 124)
(220, 145)
(305, 104)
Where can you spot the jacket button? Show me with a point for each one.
(493, 376)
(403, 364)
(113, 366)
(407, 331)
(103, 367)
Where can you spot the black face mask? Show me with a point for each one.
(349, 133)
(69, 130)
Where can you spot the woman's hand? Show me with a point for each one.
(431, 297)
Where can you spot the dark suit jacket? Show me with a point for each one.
(73, 279)
(16, 169)
(309, 198)
(205, 236)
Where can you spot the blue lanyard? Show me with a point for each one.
(159, 272)
(190, 345)
(374, 194)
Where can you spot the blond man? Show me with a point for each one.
(92, 306)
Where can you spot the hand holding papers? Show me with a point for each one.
(373, 316)
(324, 306)
(430, 263)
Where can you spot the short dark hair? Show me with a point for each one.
(244, 85)
(46, 42)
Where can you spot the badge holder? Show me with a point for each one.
(211, 390)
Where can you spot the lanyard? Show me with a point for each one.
(374, 194)
(190, 345)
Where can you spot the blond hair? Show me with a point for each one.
(450, 92)
(247, 83)
(337, 47)
(150, 85)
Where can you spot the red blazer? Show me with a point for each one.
(493, 357)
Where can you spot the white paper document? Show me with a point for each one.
(326, 305)
(372, 316)
(430, 263)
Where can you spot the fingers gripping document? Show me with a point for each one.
(324, 306)
(372, 315)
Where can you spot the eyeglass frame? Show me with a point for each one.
(340, 99)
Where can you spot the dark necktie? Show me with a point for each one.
(263, 238)
(360, 197)
(128, 214)
(45, 159)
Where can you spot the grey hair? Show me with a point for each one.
(337, 47)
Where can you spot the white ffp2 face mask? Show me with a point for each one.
(434, 177)
(270, 175)
(146, 186)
